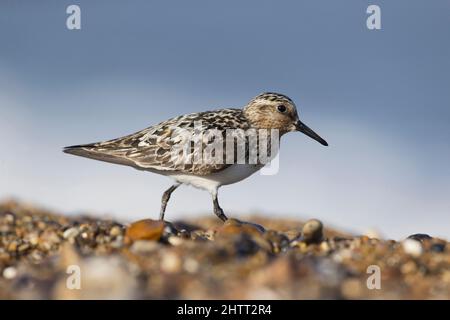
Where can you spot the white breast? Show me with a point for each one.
(232, 174)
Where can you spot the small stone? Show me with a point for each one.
(191, 265)
(312, 231)
(170, 229)
(342, 255)
(412, 247)
(145, 230)
(420, 237)
(209, 234)
(118, 242)
(408, 267)
(175, 241)
(70, 233)
(324, 246)
(36, 256)
(23, 247)
(115, 231)
(144, 246)
(184, 234)
(302, 246)
(9, 273)
(237, 227)
(278, 241)
(170, 262)
(48, 240)
(12, 246)
(438, 247)
(9, 218)
(32, 238)
(245, 245)
(292, 234)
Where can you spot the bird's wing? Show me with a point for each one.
(160, 147)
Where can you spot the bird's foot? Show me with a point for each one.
(219, 213)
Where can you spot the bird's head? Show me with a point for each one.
(271, 110)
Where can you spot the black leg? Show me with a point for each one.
(218, 210)
(165, 199)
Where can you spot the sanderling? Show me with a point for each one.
(152, 149)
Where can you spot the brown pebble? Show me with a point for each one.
(236, 227)
(12, 246)
(145, 230)
(312, 231)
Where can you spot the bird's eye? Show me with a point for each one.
(282, 108)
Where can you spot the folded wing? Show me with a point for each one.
(160, 147)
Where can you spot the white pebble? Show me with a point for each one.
(70, 233)
(170, 262)
(175, 241)
(412, 247)
(191, 265)
(10, 273)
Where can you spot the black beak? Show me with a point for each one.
(300, 126)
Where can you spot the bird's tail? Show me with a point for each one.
(95, 151)
(82, 150)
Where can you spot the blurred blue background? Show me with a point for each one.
(380, 98)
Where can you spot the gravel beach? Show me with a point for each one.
(47, 255)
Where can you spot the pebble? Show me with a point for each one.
(278, 241)
(23, 247)
(238, 226)
(312, 231)
(13, 246)
(325, 247)
(70, 233)
(412, 247)
(244, 245)
(32, 238)
(408, 267)
(438, 247)
(170, 262)
(145, 230)
(9, 218)
(170, 229)
(191, 265)
(175, 241)
(118, 242)
(292, 234)
(115, 231)
(144, 246)
(9, 273)
(184, 234)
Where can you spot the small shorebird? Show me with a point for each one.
(151, 149)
